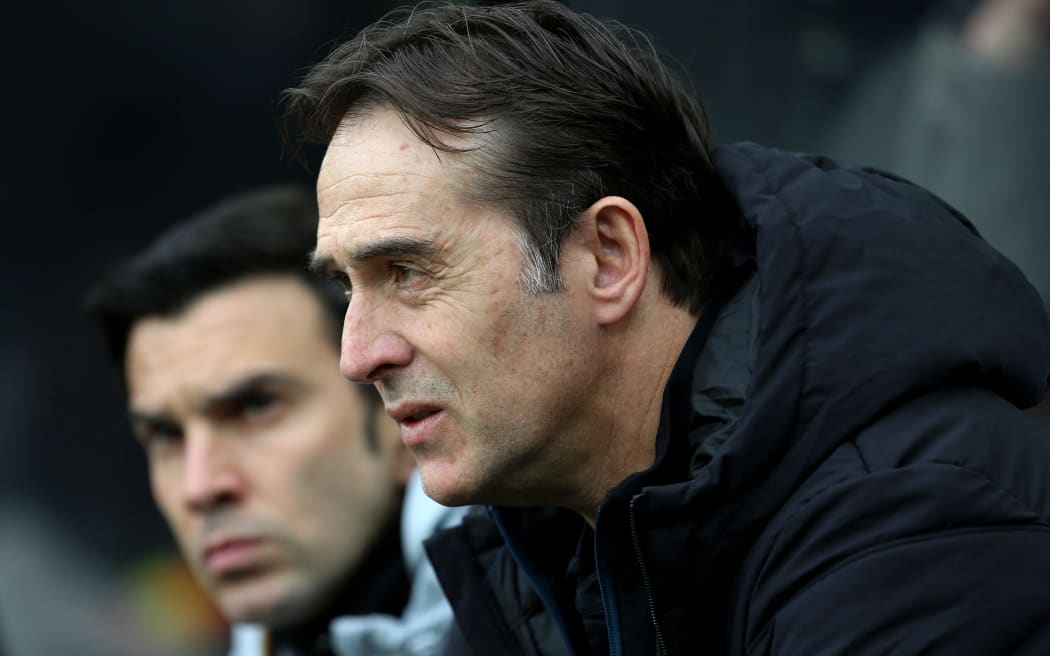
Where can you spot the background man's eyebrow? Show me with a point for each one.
(137, 418)
(246, 387)
(320, 265)
(397, 247)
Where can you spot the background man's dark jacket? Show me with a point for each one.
(841, 464)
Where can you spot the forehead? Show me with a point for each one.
(378, 174)
(271, 324)
(379, 152)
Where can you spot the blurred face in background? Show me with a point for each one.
(275, 474)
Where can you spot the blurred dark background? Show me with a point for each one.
(123, 117)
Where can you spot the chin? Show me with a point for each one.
(444, 484)
(272, 603)
(450, 485)
(446, 496)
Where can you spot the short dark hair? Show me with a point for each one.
(265, 231)
(566, 109)
(271, 230)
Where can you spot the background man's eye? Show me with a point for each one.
(259, 406)
(340, 278)
(159, 436)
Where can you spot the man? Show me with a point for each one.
(724, 400)
(281, 481)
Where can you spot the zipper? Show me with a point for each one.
(645, 579)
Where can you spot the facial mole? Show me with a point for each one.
(404, 146)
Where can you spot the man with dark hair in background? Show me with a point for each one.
(720, 400)
(282, 482)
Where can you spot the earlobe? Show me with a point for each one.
(619, 245)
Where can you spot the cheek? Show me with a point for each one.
(347, 501)
(503, 328)
(341, 470)
(533, 330)
(164, 484)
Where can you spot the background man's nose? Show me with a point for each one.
(210, 477)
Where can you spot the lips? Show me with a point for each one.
(410, 412)
(418, 421)
(231, 555)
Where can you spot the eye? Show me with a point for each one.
(404, 274)
(156, 436)
(259, 406)
(340, 278)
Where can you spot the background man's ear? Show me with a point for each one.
(619, 244)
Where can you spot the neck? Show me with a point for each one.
(642, 354)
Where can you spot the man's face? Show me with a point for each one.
(486, 380)
(257, 447)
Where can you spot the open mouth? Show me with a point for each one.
(409, 413)
(419, 416)
(418, 422)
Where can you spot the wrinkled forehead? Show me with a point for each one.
(377, 154)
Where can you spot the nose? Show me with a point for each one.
(210, 476)
(371, 351)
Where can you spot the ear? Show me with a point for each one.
(619, 245)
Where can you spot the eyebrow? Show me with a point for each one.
(397, 247)
(390, 247)
(248, 386)
(232, 394)
(320, 265)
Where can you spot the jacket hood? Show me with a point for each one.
(862, 291)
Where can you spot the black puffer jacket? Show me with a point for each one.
(841, 463)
